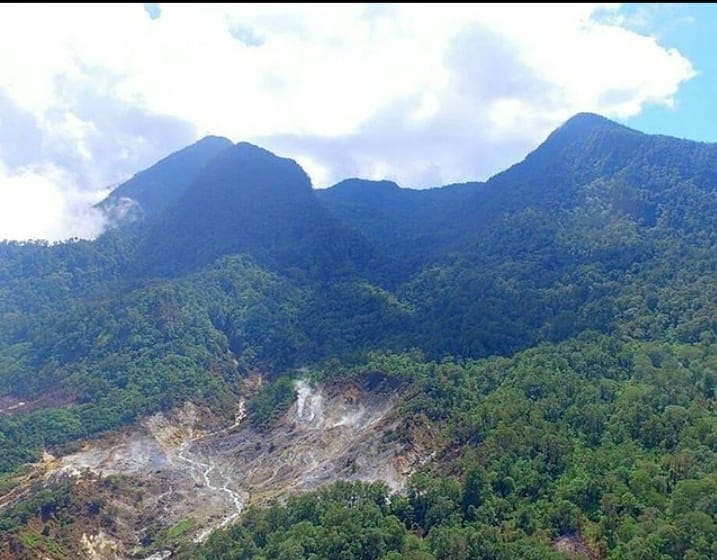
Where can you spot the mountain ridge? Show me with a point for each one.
(152, 190)
(546, 341)
(249, 199)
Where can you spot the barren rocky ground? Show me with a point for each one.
(193, 480)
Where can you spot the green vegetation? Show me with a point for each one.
(615, 442)
(554, 327)
(271, 401)
(179, 529)
(51, 521)
(40, 543)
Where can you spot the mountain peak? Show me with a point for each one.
(588, 119)
(212, 140)
(366, 187)
(587, 123)
(252, 168)
(249, 200)
(155, 189)
(247, 148)
(586, 145)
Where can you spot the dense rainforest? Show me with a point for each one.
(554, 326)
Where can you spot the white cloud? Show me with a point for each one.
(422, 93)
(42, 203)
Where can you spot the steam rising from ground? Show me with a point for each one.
(347, 431)
(309, 403)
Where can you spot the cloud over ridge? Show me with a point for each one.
(422, 94)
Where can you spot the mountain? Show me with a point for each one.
(569, 170)
(248, 200)
(546, 248)
(150, 191)
(531, 360)
(400, 221)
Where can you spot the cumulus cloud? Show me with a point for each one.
(423, 94)
(42, 203)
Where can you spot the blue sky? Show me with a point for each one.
(691, 29)
(422, 94)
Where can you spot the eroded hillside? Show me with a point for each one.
(174, 478)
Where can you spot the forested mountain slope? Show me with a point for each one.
(588, 164)
(552, 333)
(247, 200)
(155, 189)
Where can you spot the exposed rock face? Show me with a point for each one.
(186, 473)
(328, 434)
